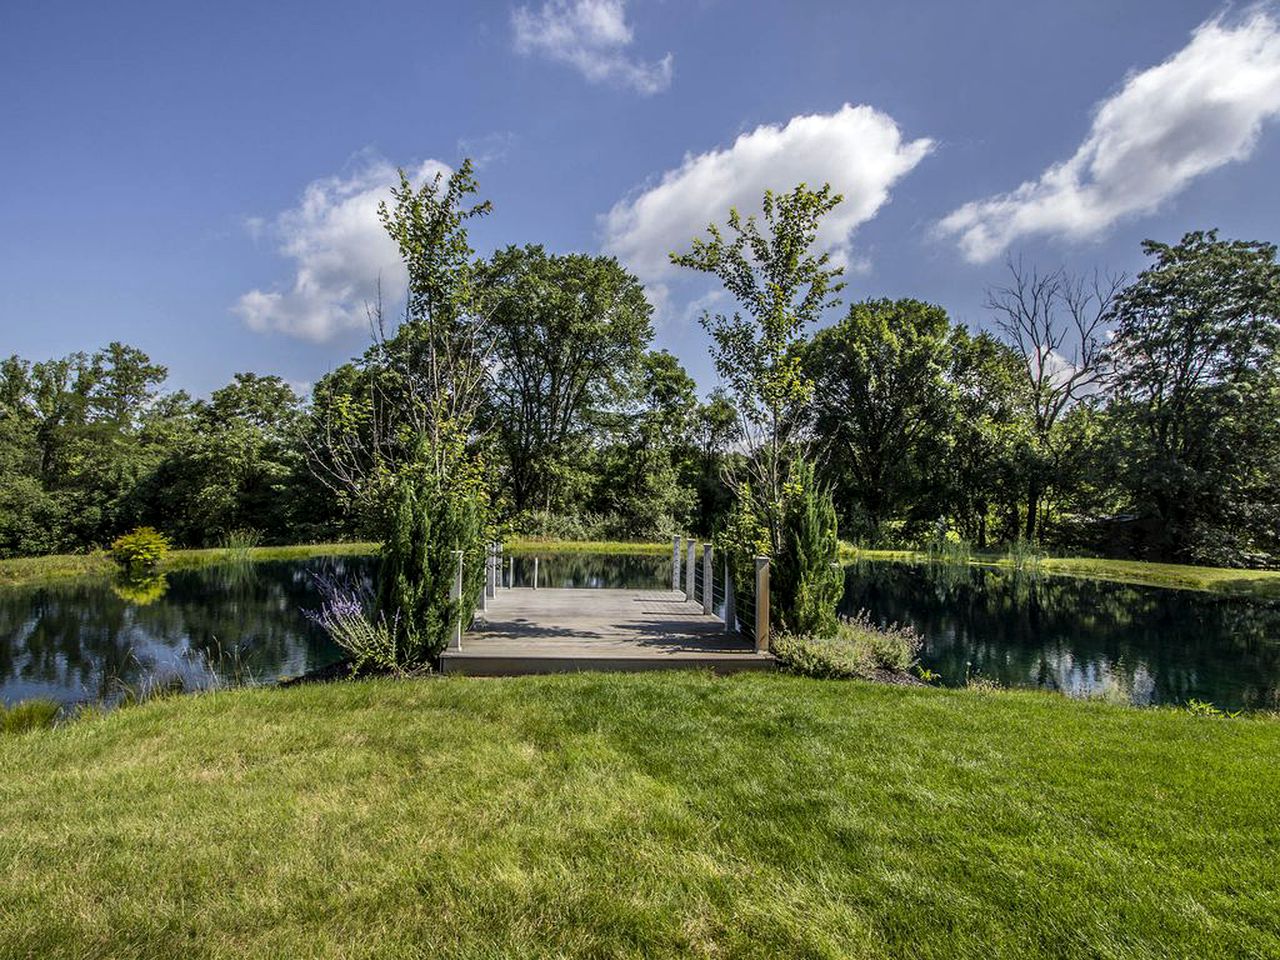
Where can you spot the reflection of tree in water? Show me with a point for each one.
(596, 571)
(1084, 637)
(84, 640)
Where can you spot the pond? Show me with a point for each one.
(94, 640)
(1085, 638)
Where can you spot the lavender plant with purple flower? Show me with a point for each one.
(346, 613)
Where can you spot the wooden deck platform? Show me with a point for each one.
(560, 630)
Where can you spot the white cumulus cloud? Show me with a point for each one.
(857, 149)
(592, 36)
(1198, 110)
(340, 250)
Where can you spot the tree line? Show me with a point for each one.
(1098, 414)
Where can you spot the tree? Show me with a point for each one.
(716, 432)
(882, 410)
(989, 427)
(124, 383)
(569, 335)
(396, 437)
(784, 288)
(1197, 397)
(1057, 323)
(237, 465)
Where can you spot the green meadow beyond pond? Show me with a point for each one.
(653, 815)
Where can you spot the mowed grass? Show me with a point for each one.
(656, 815)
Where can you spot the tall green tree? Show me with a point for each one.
(1197, 397)
(782, 287)
(569, 335)
(395, 434)
(882, 410)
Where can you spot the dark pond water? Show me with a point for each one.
(94, 640)
(91, 640)
(1140, 645)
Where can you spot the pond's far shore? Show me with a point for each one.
(1261, 584)
(32, 571)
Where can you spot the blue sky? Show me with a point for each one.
(199, 179)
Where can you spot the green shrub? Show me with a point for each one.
(433, 514)
(805, 577)
(858, 649)
(29, 715)
(142, 548)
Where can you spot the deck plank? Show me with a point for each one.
(552, 630)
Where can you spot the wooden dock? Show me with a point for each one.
(562, 630)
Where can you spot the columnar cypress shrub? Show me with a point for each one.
(806, 578)
(430, 518)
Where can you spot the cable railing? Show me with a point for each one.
(743, 607)
(741, 602)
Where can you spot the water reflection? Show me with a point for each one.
(1140, 645)
(91, 640)
(597, 571)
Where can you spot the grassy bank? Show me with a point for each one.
(1226, 580)
(27, 571)
(1256, 583)
(645, 815)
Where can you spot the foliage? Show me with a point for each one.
(858, 648)
(1057, 323)
(347, 615)
(1201, 708)
(239, 544)
(29, 715)
(142, 548)
(570, 333)
(564, 816)
(784, 287)
(883, 410)
(1024, 558)
(773, 274)
(805, 577)
(1197, 399)
(432, 518)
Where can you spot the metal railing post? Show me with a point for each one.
(675, 563)
(730, 602)
(690, 562)
(708, 580)
(762, 604)
(490, 573)
(535, 573)
(455, 594)
(511, 572)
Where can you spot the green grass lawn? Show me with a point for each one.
(640, 816)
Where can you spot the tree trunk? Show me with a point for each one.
(1033, 509)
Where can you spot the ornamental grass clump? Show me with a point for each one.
(859, 649)
(29, 715)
